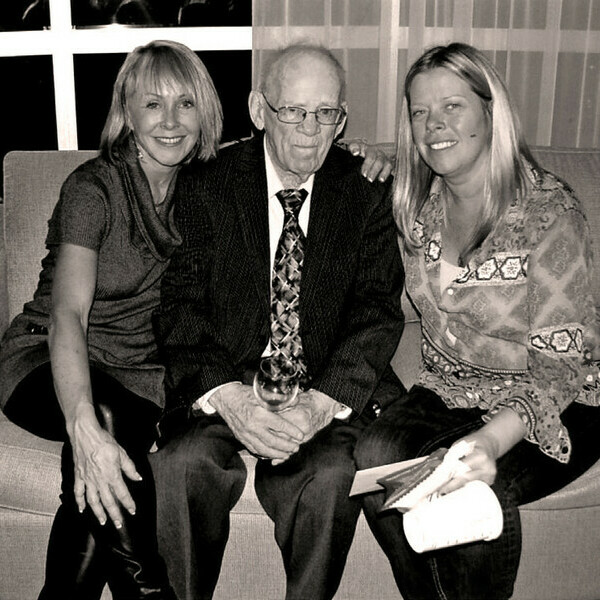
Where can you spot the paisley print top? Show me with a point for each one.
(518, 327)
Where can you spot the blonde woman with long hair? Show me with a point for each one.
(498, 264)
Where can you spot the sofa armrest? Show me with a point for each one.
(3, 279)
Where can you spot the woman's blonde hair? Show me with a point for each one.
(160, 63)
(506, 177)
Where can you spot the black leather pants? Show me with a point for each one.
(82, 554)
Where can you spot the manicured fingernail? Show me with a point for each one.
(132, 511)
(118, 524)
(102, 521)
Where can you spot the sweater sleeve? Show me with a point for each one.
(81, 214)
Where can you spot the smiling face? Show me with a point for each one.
(311, 82)
(450, 127)
(165, 123)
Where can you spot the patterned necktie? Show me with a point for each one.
(287, 271)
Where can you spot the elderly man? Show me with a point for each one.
(279, 234)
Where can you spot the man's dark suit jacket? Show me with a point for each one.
(214, 320)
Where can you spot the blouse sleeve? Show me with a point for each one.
(81, 216)
(562, 323)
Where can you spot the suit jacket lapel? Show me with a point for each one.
(326, 209)
(249, 193)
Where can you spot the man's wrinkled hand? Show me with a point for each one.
(313, 412)
(262, 432)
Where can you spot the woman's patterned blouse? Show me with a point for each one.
(518, 327)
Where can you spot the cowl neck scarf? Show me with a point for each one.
(148, 228)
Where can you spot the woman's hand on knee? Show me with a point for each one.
(99, 466)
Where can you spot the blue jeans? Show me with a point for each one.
(418, 423)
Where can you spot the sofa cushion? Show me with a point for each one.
(32, 182)
(29, 471)
(582, 493)
(581, 170)
(3, 286)
(30, 466)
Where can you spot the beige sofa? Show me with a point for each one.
(561, 546)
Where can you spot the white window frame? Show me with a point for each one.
(62, 41)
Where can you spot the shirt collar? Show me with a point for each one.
(274, 184)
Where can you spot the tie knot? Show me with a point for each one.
(291, 200)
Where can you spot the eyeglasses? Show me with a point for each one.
(295, 114)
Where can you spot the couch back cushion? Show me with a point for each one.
(32, 182)
(581, 170)
(3, 290)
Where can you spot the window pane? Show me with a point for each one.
(24, 15)
(231, 71)
(29, 112)
(96, 73)
(168, 13)
(94, 78)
